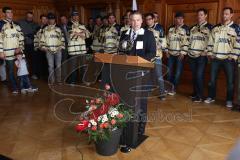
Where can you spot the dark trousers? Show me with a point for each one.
(64, 67)
(42, 64)
(142, 115)
(10, 67)
(174, 64)
(33, 59)
(106, 77)
(197, 66)
(238, 90)
(24, 82)
(228, 66)
(136, 98)
(78, 62)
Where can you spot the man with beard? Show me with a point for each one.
(224, 52)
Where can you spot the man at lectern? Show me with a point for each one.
(138, 41)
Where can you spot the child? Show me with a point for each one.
(22, 73)
(3, 76)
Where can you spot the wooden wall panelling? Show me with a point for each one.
(189, 7)
(36, 6)
(165, 8)
(190, 12)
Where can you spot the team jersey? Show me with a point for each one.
(37, 37)
(198, 41)
(224, 41)
(77, 44)
(97, 44)
(111, 40)
(52, 39)
(124, 28)
(178, 40)
(11, 38)
(160, 39)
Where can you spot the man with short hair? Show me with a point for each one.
(142, 44)
(52, 42)
(238, 81)
(198, 43)
(177, 48)
(156, 17)
(223, 51)
(63, 26)
(102, 32)
(126, 24)
(42, 67)
(90, 25)
(76, 45)
(11, 39)
(29, 29)
(111, 35)
(238, 21)
(89, 40)
(160, 39)
(97, 44)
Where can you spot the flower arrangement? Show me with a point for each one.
(103, 115)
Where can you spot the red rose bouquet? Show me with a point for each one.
(103, 115)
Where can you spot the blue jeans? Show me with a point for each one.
(197, 66)
(3, 73)
(24, 82)
(54, 59)
(159, 75)
(10, 67)
(174, 78)
(228, 66)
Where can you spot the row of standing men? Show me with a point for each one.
(202, 42)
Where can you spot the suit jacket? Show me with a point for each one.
(143, 46)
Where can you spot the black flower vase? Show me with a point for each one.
(109, 147)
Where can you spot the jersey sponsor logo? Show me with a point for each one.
(175, 39)
(223, 40)
(12, 35)
(198, 38)
(53, 36)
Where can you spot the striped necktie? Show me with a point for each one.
(133, 37)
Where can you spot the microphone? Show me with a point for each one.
(125, 45)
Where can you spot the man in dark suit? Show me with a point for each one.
(29, 28)
(138, 41)
(63, 26)
(143, 42)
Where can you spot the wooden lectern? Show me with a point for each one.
(122, 66)
(123, 60)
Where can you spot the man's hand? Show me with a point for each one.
(210, 57)
(18, 50)
(80, 34)
(59, 50)
(2, 55)
(167, 54)
(44, 49)
(180, 57)
(204, 54)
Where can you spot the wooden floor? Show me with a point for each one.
(33, 127)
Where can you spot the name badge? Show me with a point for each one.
(139, 45)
